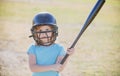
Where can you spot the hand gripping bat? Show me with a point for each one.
(90, 18)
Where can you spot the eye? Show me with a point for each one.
(48, 30)
(38, 30)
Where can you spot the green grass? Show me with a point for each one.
(72, 12)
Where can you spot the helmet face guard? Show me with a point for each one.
(50, 39)
(42, 19)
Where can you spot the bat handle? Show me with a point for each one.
(64, 59)
(66, 56)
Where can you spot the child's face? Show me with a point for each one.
(45, 34)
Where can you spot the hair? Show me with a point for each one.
(39, 26)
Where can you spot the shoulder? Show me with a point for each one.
(58, 45)
(31, 49)
(32, 46)
(61, 49)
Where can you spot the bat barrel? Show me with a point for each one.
(90, 18)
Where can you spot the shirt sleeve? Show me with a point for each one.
(62, 52)
(31, 50)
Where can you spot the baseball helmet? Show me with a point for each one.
(41, 19)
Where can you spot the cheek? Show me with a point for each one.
(50, 34)
(37, 35)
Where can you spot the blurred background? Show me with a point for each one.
(97, 52)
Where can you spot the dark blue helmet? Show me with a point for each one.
(41, 19)
(44, 18)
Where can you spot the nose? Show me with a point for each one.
(43, 35)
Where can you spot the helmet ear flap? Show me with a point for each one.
(32, 29)
(31, 32)
(56, 31)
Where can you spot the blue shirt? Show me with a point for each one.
(46, 55)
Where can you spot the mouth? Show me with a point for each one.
(45, 41)
(45, 38)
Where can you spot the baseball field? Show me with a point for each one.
(97, 52)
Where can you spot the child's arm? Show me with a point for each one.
(37, 68)
(59, 59)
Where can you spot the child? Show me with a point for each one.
(45, 55)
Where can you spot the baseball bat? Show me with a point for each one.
(89, 19)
